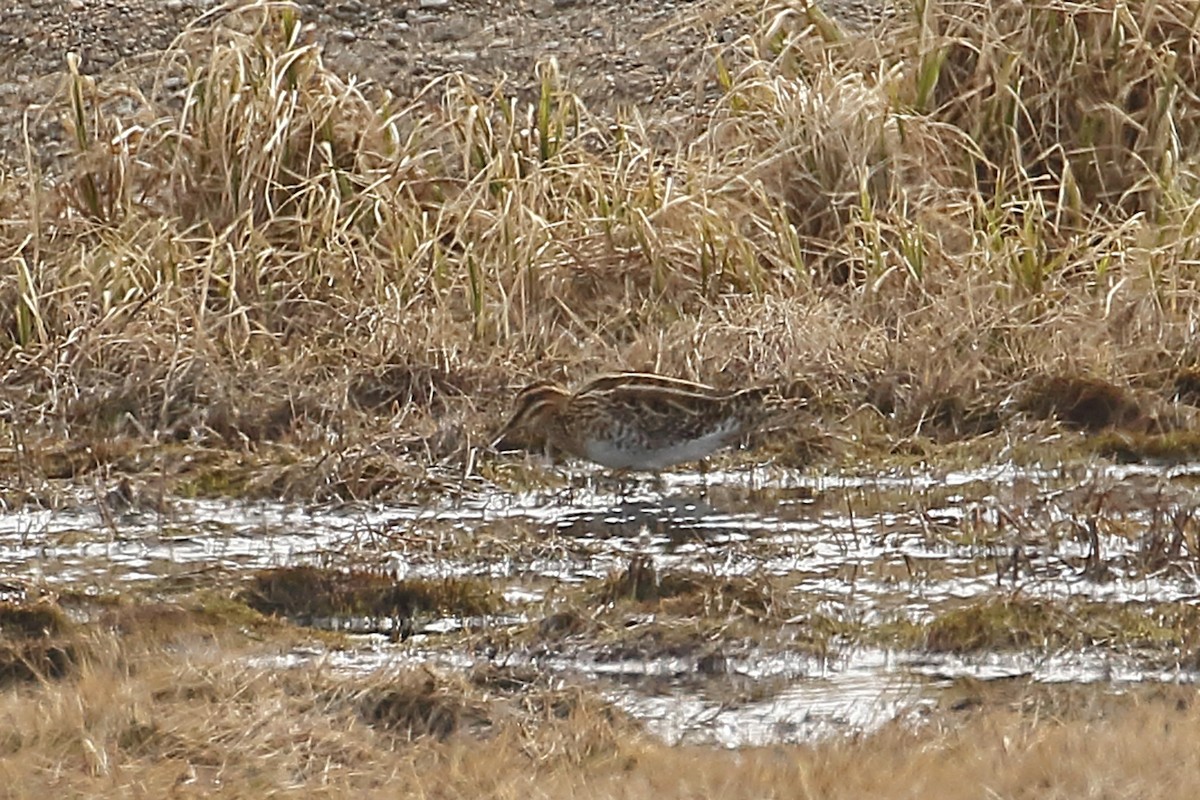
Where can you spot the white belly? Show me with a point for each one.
(609, 455)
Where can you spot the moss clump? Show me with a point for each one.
(35, 643)
(1024, 624)
(684, 592)
(1187, 385)
(997, 625)
(224, 480)
(1129, 447)
(32, 620)
(1085, 403)
(419, 706)
(642, 582)
(210, 612)
(307, 592)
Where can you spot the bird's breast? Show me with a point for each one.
(633, 451)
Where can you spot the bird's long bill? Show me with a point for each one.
(516, 433)
(534, 406)
(500, 441)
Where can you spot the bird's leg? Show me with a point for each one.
(623, 482)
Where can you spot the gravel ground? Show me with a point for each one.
(648, 53)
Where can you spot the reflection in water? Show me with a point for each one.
(898, 546)
(671, 520)
(770, 699)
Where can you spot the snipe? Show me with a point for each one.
(633, 420)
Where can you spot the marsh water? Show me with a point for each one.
(858, 549)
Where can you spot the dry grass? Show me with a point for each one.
(158, 711)
(247, 248)
(253, 276)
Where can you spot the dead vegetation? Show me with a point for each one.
(642, 583)
(259, 278)
(35, 643)
(308, 593)
(249, 249)
(191, 721)
(1018, 623)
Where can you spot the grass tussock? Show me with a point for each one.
(1090, 405)
(1047, 626)
(307, 592)
(246, 248)
(641, 612)
(1174, 447)
(166, 706)
(1087, 105)
(193, 720)
(37, 642)
(686, 592)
